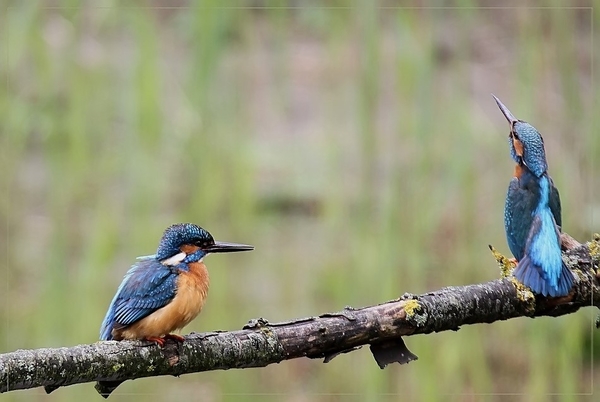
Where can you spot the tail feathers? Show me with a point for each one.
(536, 278)
(565, 281)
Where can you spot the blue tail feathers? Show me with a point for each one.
(534, 277)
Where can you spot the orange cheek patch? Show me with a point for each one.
(518, 147)
(189, 248)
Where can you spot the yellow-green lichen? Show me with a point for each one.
(594, 246)
(267, 331)
(117, 367)
(524, 294)
(410, 308)
(506, 265)
(415, 313)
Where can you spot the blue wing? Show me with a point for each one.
(147, 286)
(521, 200)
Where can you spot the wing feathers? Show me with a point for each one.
(147, 286)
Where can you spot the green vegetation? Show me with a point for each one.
(357, 148)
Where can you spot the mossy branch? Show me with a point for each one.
(261, 343)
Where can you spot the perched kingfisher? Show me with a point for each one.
(163, 292)
(532, 213)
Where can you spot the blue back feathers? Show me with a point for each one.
(542, 268)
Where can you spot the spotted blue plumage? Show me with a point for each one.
(150, 284)
(532, 214)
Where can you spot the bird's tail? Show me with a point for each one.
(532, 275)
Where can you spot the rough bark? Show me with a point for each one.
(261, 343)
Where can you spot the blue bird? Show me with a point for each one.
(163, 292)
(532, 213)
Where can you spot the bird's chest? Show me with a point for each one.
(192, 289)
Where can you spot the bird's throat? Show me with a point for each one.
(518, 170)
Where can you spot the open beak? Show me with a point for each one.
(222, 247)
(509, 116)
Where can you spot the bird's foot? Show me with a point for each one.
(175, 337)
(158, 341)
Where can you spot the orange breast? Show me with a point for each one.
(192, 288)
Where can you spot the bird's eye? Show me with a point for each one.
(514, 135)
(202, 243)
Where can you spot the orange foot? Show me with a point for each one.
(513, 261)
(159, 341)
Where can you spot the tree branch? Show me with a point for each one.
(261, 343)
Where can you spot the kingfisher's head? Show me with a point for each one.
(186, 242)
(526, 143)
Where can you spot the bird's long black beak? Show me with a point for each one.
(222, 247)
(509, 116)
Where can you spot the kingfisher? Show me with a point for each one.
(532, 213)
(164, 292)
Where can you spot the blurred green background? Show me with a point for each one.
(355, 144)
